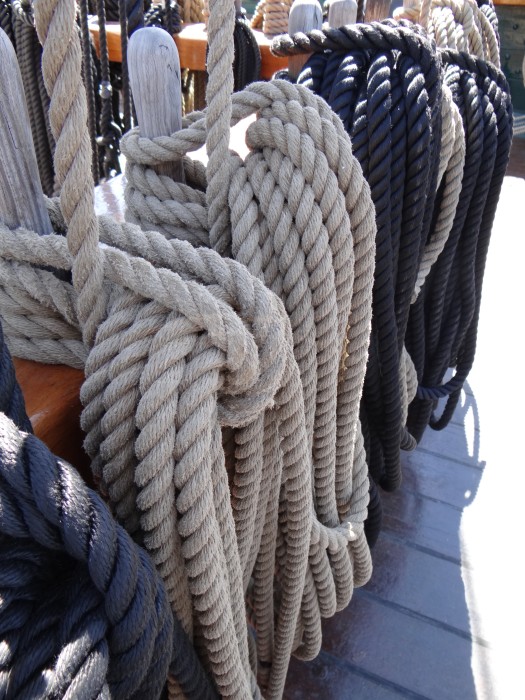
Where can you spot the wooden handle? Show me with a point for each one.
(21, 197)
(304, 16)
(154, 73)
(341, 12)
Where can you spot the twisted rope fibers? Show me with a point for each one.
(444, 319)
(83, 612)
(461, 25)
(383, 80)
(271, 16)
(229, 361)
(247, 64)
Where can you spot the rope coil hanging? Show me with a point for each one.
(460, 25)
(384, 81)
(445, 317)
(178, 343)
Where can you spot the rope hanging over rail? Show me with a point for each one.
(461, 25)
(184, 349)
(443, 322)
(384, 81)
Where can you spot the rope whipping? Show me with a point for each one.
(84, 613)
(444, 320)
(384, 82)
(155, 315)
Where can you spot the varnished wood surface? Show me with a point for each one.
(52, 398)
(191, 43)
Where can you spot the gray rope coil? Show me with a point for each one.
(83, 612)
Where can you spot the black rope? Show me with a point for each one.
(247, 55)
(6, 19)
(384, 82)
(29, 53)
(81, 606)
(444, 320)
(83, 612)
(109, 131)
(88, 75)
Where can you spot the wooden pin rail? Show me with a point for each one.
(191, 43)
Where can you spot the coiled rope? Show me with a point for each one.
(84, 614)
(271, 16)
(11, 398)
(443, 323)
(459, 25)
(179, 342)
(384, 81)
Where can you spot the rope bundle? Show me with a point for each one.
(461, 25)
(271, 16)
(384, 81)
(200, 382)
(443, 322)
(83, 611)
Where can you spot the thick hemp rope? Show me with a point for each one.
(460, 25)
(271, 16)
(443, 322)
(384, 81)
(182, 342)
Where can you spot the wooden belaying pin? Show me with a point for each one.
(341, 12)
(154, 74)
(304, 16)
(21, 198)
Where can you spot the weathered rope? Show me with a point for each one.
(271, 16)
(84, 613)
(459, 25)
(444, 319)
(384, 81)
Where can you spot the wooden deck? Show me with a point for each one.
(443, 615)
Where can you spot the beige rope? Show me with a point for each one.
(455, 24)
(271, 16)
(451, 164)
(181, 342)
(290, 226)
